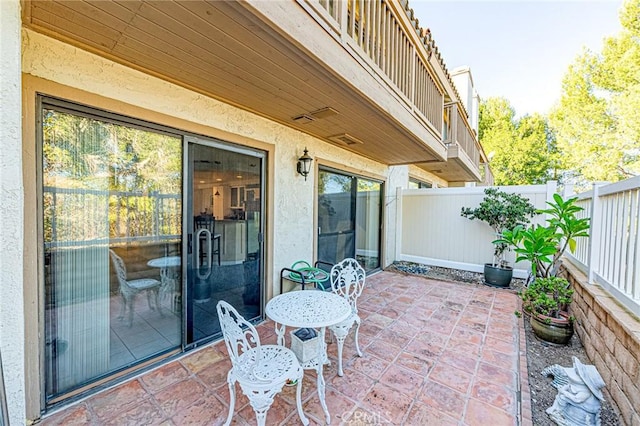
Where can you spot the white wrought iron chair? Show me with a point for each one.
(347, 280)
(261, 370)
(129, 289)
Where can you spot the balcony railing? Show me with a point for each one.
(394, 48)
(458, 131)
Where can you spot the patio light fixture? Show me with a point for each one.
(304, 164)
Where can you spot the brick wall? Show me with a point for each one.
(610, 335)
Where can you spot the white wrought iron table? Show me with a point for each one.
(169, 277)
(309, 309)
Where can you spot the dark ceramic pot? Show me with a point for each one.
(496, 276)
(553, 330)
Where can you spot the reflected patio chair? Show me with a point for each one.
(347, 280)
(130, 288)
(261, 370)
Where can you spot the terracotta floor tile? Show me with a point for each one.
(215, 375)
(164, 376)
(461, 334)
(501, 345)
(480, 413)
(203, 358)
(443, 399)
(455, 358)
(340, 406)
(453, 377)
(491, 356)
(353, 384)
(433, 338)
(403, 327)
(370, 365)
(179, 395)
(495, 394)
(435, 353)
(424, 349)
(415, 362)
(387, 402)
(422, 414)
(379, 320)
(496, 374)
(391, 312)
(206, 411)
(78, 415)
(383, 349)
(364, 417)
(112, 402)
(145, 413)
(393, 338)
(403, 380)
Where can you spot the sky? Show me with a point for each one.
(516, 49)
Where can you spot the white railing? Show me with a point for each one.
(377, 31)
(611, 254)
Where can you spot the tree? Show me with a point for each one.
(520, 151)
(596, 121)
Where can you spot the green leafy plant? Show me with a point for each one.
(543, 246)
(501, 210)
(548, 297)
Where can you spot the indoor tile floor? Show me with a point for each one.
(435, 353)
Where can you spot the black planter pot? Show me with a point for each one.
(496, 276)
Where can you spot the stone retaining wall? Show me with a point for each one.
(610, 335)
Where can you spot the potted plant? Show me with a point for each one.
(500, 210)
(548, 296)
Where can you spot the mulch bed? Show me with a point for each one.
(540, 354)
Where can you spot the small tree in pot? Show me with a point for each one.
(548, 296)
(500, 210)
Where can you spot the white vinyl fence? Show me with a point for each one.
(611, 255)
(434, 233)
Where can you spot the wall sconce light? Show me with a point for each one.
(304, 164)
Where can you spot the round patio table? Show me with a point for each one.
(309, 309)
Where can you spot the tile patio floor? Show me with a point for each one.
(435, 353)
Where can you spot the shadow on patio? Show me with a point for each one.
(434, 353)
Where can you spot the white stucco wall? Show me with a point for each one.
(11, 212)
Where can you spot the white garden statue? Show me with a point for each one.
(579, 398)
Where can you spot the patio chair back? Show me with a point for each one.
(347, 280)
(240, 335)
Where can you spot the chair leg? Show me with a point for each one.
(232, 401)
(303, 418)
(340, 339)
(355, 337)
(131, 302)
(149, 300)
(156, 291)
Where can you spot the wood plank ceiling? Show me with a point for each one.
(221, 49)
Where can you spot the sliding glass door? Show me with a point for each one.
(144, 229)
(349, 218)
(111, 206)
(224, 228)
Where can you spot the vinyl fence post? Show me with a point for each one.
(595, 227)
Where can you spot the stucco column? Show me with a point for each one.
(11, 211)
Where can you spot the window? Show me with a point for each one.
(418, 184)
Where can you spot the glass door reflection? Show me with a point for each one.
(224, 224)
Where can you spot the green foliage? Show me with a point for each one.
(501, 210)
(543, 246)
(596, 121)
(521, 152)
(547, 296)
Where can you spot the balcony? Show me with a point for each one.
(463, 163)
(361, 75)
